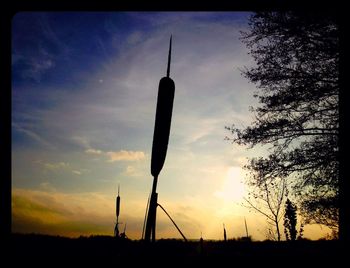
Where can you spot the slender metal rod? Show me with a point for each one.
(154, 219)
(144, 221)
(169, 58)
(246, 228)
(154, 186)
(152, 213)
(173, 222)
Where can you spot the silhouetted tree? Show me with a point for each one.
(296, 72)
(267, 199)
(301, 232)
(290, 221)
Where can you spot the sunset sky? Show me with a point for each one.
(84, 92)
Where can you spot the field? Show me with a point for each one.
(104, 250)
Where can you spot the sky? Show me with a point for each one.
(84, 92)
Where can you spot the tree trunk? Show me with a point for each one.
(277, 230)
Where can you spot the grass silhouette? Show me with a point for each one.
(102, 249)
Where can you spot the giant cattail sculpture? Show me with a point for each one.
(117, 211)
(225, 238)
(246, 228)
(166, 91)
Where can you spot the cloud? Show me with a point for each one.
(48, 211)
(80, 171)
(38, 68)
(36, 49)
(93, 151)
(130, 170)
(29, 216)
(70, 214)
(32, 135)
(81, 141)
(123, 155)
(77, 172)
(54, 166)
(135, 171)
(46, 186)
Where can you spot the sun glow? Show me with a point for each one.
(232, 188)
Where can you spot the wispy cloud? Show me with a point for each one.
(126, 156)
(60, 166)
(32, 135)
(54, 166)
(46, 187)
(38, 67)
(93, 151)
(50, 34)
(130, 170)
(38, 49)
(81, 141)
(77, 172)
(122, 155)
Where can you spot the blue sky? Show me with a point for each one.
(84, 90)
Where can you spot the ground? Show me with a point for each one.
(101, 250)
